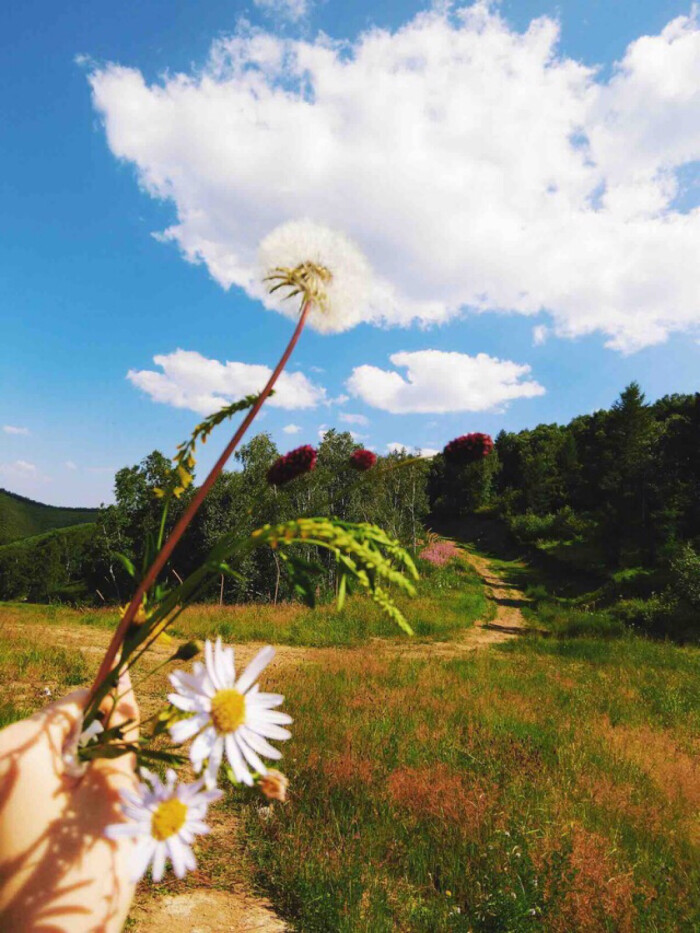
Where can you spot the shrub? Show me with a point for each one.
(685, 576)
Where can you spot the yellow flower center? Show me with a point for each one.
(168, 819)
(228, 710)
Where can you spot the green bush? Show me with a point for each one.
(685, 576)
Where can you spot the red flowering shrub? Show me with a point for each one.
(363, 460)
(295, 463)
(469, 448)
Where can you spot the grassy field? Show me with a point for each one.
(450, 599)
(545, 783)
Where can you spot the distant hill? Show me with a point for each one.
(24, 518)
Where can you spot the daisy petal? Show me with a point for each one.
(158, 869)
(184, 729)
(202, 747)
(177, 856)
(236, 761)
(141, 858)
(270, 731)
(259, 744)
(217, 753)
(255, 668)
(249, 755)
(211, 665)
(281, 719)
(186, 704)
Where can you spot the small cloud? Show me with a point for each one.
(69, 465)
(359, 437)
(438, 381)
(292, 10)
(291, 429)
(21, 470)
(190, 380)
(354, 419)
(13, 429)
(539, 335)
(25, 467)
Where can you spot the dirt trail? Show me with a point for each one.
(508, 622)
(238, 909)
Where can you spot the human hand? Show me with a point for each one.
(58, 872)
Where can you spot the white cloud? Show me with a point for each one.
(12, 429)
(358, 437)
(339, 400)
(287, 9)
(437, 381)
(395, 448)
(190, 380)
(540, 334)
(476, 165)
(354, 419)
(19, 470)
(70, 465)
(291, 429)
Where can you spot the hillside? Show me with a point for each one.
(23, 518)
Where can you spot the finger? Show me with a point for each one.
(63, 717)
(120, 707)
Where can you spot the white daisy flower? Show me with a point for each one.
(228, 715)
(164, 820)
(340, 273)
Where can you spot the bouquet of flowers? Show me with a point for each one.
(229, 723)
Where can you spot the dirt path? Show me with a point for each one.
(508, 622)
(233, 907)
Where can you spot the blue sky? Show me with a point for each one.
(87, 293)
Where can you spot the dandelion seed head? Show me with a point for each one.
(320, 264)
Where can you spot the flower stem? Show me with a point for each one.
(189, 513)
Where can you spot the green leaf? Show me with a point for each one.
(126, 564)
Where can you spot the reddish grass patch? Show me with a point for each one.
(592, 893)
(658, 754)
(438, 792)
(347, 769)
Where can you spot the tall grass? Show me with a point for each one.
(29, 673)
(547, 785)
(450, 598)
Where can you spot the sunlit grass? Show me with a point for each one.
(543, 785)
(449, 599)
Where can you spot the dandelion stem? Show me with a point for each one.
(187, 516)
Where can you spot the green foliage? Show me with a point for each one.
(182, 475)
(685, 577)
(49, 567)
(24, 518)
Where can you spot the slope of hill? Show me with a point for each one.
(22, 518)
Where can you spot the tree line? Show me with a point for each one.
(615, 493)
(87, 566)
